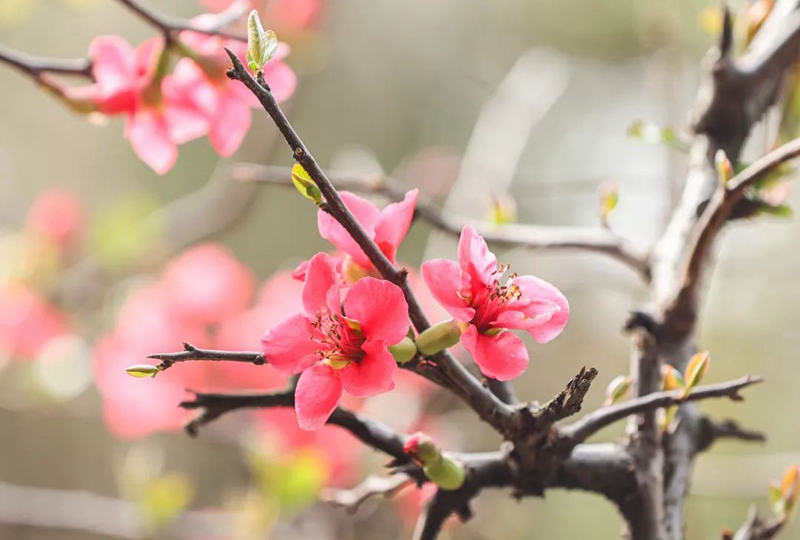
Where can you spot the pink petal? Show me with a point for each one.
(548, 309)
(150, 140)
(317, 395)
(320, 278)
(281, 80)
(394, 222)
(502, 357)
(374, 374)
(288, 346)
(147, 54)
(230, 125)
(475, 257)
(443, 278)
(367, 215)
(380, 308)
(113, 63)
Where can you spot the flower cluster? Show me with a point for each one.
(163, 110)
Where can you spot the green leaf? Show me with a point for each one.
(261, 45)
(782, 210)
(609, 197)
(166, 498)
(140, 371)
(305, 184)
(653, 134)
(696, 370)
(671, 378)
(126, 231)
(618, 389)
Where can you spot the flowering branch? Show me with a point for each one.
(597, 420)
(596, 240)
(191, 352)
(467, 387)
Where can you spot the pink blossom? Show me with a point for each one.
(158, 114)
(387, 227)
(226, 104)
(338, 346)
(206, 284)
(471, 292)
(57, 215)
(284, 15)
(27, 321)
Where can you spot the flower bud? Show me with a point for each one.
(443, 471)
(724, 167)
(618, 388)
(403, 351)
(438, 337)
(140, 371)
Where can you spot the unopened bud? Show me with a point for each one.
(671, 378)
(141, 371)
(445, 472)
(403, 351)
(618, 389)
(438, 337)
(696, 370)
(723, 166)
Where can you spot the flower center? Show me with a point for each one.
(340, 339)
(493, 299)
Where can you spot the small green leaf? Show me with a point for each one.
(166, 498)
(696, 370)
(618, 389)
(652, 134)
(723, 166)
(781, 211)
(305, 184)
(789, 489)
(261, 45)
(609, 197)
(671, 378)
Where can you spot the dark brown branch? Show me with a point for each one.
(503, 390)
(592, 239)
(712, 431)
(597, 420)
(370, 432)
(467, 387)
(169, 26)
(192, 353)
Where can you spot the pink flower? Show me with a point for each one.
(338, 346)
(386, 227)
(471, 292)
(57, 215)
(284, 15)
(27, 321)
(206, 284)
(225, 103)
(158, 114)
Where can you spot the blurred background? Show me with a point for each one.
(526, 102)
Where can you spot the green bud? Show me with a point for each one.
(261, 45)
(305, 184)
(140, 371)
(696, 370)
(445, 472)
(618, 388)
(438, 337)
(403, 351)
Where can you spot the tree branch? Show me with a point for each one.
(372, 486)
(35, 66)
(595, 421)
(592, 239)
(467, 387)
(755, 528)
(192, 353)
(169, 26)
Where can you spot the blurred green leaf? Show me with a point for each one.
(293, 480)
(696, 369)
(124, 232)
(654, 134)
(305, 184)
(165, 498)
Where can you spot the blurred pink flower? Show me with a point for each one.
(146, 324)
(225, 103)
(344, 352)
(283, 15)
(470, 291)
(57, 215)
(27, 321)
(206, 284)
(158, 114)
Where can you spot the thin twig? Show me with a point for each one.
(192, 353)
(169, 26)
(372, 486)
(591, 239)
(597, 420)
(35, 66)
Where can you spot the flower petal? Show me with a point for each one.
(475, 257)
(367, 215)
(150, 140)
(394, 222)
(548, 311)
(502, 356)
(320, 277)
(288, 345)
(380, 308)
(374, 374)
(317, 394)
(443, 278)
(229, 126)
